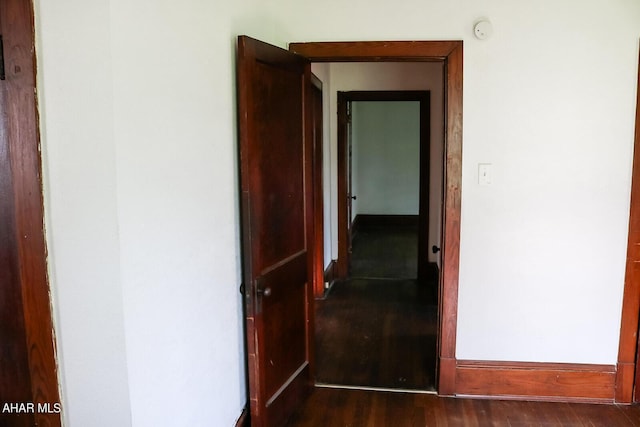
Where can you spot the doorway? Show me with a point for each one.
(450, 54)
(273, 85)
(388, 300)
(396, 167)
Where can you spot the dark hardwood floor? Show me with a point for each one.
(355, 408)
(385, 252)
(377, 333)
(379, 328)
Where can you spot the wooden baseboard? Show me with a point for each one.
(447, 376)
(330, 276)
(330, 272)
(625, 382)
(367, 221)
(244, 420)
(562, 382)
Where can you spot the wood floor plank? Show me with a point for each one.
(359, 408)
(376, 333)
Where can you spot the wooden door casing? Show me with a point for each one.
(27, 355)
(318, 193)
(450, 53)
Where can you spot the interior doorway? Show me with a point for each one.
(388, 299)
(273, 85)
(394, 172)
(450, 55)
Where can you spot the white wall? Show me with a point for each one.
(543, 249)
(138, 129)
(386, 158)
(138, 124)
(80, 190)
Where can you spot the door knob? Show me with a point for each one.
(354, 197)
(435, 249)
(264, 292)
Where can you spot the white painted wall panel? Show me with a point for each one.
(386, 158)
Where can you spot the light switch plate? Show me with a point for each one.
(485, 173)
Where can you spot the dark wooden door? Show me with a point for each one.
(277, 202)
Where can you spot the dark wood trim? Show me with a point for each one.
(424, 188)
(21, 132)
(330, 272)
(536, 381)
(318, 193)
(343, 221)
(627, 357)
(446, 371)
(448, 295)
(381, 221)
(451, 54)
(625, 383)
(376, 51)
(313, 221)
(387, 95)
(366, 220)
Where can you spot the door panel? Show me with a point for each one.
(276, 211)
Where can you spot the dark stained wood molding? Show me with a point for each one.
(367, 220)
(318, 194)
(448, 295)
(342, 261)
(562, 382)
(316, 253)
(446, 376)
(22, 133)
(451, 54)
(625, 383)
(330, 272)
(388, 95)
(627, 350)
(376, 51)
(424, 211)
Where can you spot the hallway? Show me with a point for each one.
(379, 328)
